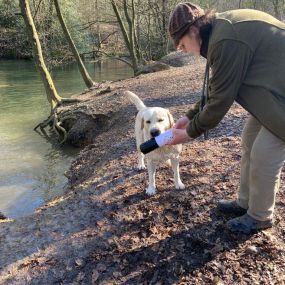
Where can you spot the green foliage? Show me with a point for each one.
(55, 48)
(13, 40)
(8, 19)
(74, 18)
(91, 20)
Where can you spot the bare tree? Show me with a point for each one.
(276, 6)
(98, 24)
(52, 96)
(239, 4)
(129, 34)
(86, 77)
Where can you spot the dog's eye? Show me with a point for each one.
(160, 120)
(148, 122)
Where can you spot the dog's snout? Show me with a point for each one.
(155, 132)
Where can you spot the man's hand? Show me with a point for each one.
(179, 131)
(181, 123)
(179, 136)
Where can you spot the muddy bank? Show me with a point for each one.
(105, 230)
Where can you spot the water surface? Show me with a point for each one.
(31, 169)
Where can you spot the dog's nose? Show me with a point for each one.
(155, 132)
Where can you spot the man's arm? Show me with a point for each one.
(229, 61)
(194, 109)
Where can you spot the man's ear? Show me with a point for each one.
(193, 30)
(170, 118)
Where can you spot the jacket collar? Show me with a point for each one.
(205, 34)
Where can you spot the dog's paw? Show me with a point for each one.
(141, 166)
(150, 190)
(179, 185)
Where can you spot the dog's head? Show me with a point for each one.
(155, 121)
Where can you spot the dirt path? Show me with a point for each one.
(105, 230)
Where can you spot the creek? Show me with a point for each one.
(31, 169)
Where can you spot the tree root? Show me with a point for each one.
(55, 122)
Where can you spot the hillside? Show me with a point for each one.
(106, 230)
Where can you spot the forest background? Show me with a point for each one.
(96, 31)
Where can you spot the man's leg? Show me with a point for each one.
(239, 206)
(267, 159)
(249, 134)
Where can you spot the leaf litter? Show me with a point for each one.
(106, 230)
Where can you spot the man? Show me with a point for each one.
(246, 52)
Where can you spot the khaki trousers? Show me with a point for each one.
(263, 155)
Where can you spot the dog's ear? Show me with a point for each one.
(170, 118)
(142, 124)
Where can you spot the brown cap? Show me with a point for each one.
(182, 17)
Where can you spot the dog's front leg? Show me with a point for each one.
(141, 164)
(151, 167)
(177, 181)
(139, 141)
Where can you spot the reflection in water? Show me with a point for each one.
(31, 170)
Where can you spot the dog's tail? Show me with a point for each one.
(135, 99)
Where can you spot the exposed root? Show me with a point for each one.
(70, 100)
(50, 121)
(55, 122)
(59, 129)
(42, 127)
(57, 119)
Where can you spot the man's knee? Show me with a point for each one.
(263, 162)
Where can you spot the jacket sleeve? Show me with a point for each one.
(229, 61)
(194, 109)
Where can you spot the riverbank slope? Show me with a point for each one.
(105, 230)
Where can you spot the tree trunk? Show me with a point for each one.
(239, 4)
(164, 23)
(87, 79)
(135, 33)
(255, 4)
(52, 95)
(131, 25)
(98, 30)
(53, 98)
(149, 46)
(276, 9)
(129, 38)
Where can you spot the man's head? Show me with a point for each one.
(185, 35)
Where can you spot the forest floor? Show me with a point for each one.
(106, 230)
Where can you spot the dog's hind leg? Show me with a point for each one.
(177, 181)
(151, 167)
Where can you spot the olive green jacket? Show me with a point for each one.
(246, 53)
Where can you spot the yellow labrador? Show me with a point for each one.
(150, 122)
